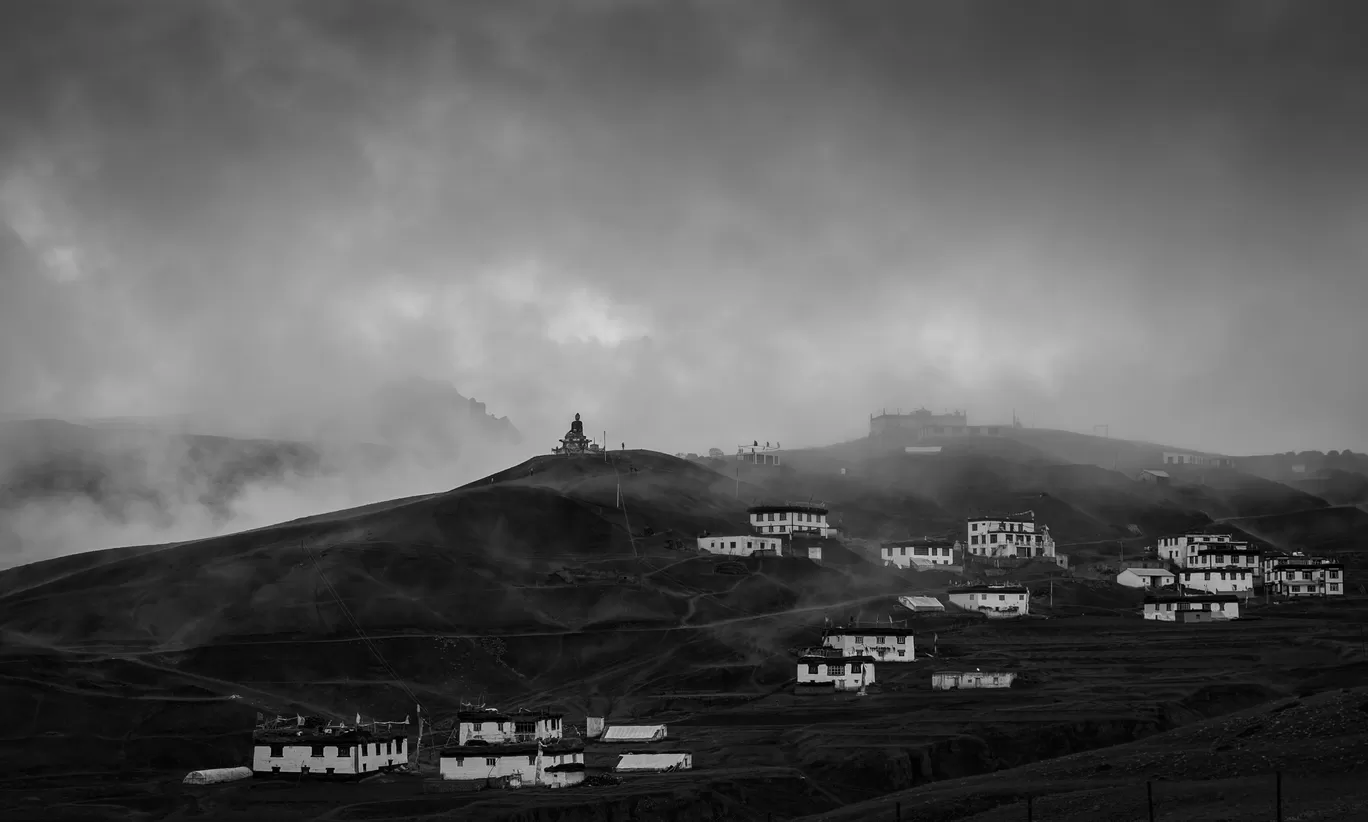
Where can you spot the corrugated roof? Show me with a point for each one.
(651, 762)
(1150, 572)
(922, 603)
(634, 733)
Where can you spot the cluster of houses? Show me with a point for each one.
(990, 536)
(773, 527)
(526, 748)
(1205, 576)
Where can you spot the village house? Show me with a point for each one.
(1174, 607)
(1190, 458)
(306, 748)
(953, 680)
(1176, 549)
(1228, 555)
(924, 552)
(524, 748)
(1323, 578)
(757, 454)
(829, 669)
(1145, 578)
(995, 601)
(1009, 536)
(791, 518)
(1155, 477)
(882, 641)
(741, 546)
(1229, 580)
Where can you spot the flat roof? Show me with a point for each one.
(809, 508)
(989, 589)
(810, 658)
(1162, 598)
(884, 630)
(492, 715)
(1150, 572)
(927, 542)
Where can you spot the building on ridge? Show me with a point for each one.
(757, 454)
(1178, 549)
(994, 601)
(523, 747)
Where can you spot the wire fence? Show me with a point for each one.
(1267, 796)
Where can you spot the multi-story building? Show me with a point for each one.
(1190, 458)
(791, 518)
(828, 668)
(1229, 580)
(885, 643)
(1324, 578)
(1010, 535)
(314, 750)
(526, 746)
(1178, 549)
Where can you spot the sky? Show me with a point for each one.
(695, 223)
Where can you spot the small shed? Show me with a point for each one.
(1145, 578)
(593, 727)
(951, 680)
(1155, 477)
(634, 733)
(922, 604)
(215, 776)
(655, 762)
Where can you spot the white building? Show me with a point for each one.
(993, 600)
(758, 454)
(925, 552)
(634, 733)
(327, 751)
(1223, 555)
(1190, 458)
(791, 518)
(1324, 578)
(885, 643)
(951, 680)
(1155, 477)
(1013, 535)
(525, 746)
(741, 546)
(1229, 580)
(1145, 578)
(828, 668)
(1173, 608)
(1176, 549)
(654, 762)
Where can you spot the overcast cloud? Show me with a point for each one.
(694, 223)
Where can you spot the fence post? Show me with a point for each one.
(1030, 808)
(1149, 799)
(897, 812)
(1279, 787)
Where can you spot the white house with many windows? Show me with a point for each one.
(741, 546)
(524, 746)
(918, 553)
(1012, 535)
(885, 643)
(1324, 578)
(992, 600)
(1177, 608)
(828, 668)
(1182, 550)
(791, 518)
(323, 751)
(1229, 580)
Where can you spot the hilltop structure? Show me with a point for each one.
(575, 441)
(757, 454)
(519, 749)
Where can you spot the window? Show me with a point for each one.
(902, 551)
(1208, 575)
(531, 759)
(1001, 597)
(524, 727)
(878, 640)
(814, 669)
(992, 538)
(920, 550)
(277, 750)
(316, 750)
(1334, 574)
(491, 761)
(902, 640)
(835, 670)
(1334, 586)
(344, 750)
(460, 761)
(748, 545)
(330, 770)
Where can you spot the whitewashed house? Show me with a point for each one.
(1154, 477)
(1145, 578)
(996, 601)
(925, 553)
(322, 751)
(741, 546)
(634, 733)
(1009, 536)
(525, 747)
(1228, 580)
(1191, 458)
(1176, 549)
(883, 642)
(1173, 608)
(791, 518)
(828, 669)
(1324, 578)
(654, 762)
(952, 680)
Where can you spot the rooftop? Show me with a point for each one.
(776, 507)
(1023, 516)
(1161, 598)
(855, 630)
(1150, 572)
(989, 589)
(809, 657)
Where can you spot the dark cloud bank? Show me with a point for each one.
(694, 223)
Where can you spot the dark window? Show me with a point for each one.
(531, 759)
(277, 750)
(330, 770)
(460, 761)
(835, 670)
(525, 727)
(814, 669)
(491, 761)
(344, 750)
(275, 769)
(317, 750)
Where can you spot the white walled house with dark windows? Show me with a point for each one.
(525, 747)
(1225, 555)
(885, 643)
(1322, 579)
(827, 670)
(1176, 549)
(1229, 580)
(994, 601)
(1015, 536)
(328, 751)
(1179, 608)
(791, 518)
(741, 545)
(924, 552)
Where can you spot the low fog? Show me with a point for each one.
(695, 223)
